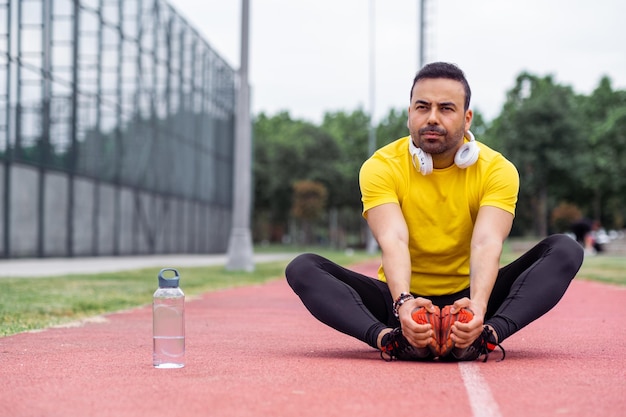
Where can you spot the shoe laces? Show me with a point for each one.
(396, 345)
(486, 343)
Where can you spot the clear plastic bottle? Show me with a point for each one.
(168, 322)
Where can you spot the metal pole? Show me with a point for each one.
(422, 25)
(240, 252)
(71, 197)
(372, 245)
(44, 142)
(6, 219)
(372, 71)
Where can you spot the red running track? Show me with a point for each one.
(256, 351)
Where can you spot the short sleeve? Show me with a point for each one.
(502, 186)
(377, 184)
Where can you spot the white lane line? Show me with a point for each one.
(482, 402)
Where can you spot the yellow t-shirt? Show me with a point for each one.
(440, 209)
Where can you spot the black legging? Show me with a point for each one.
(361, 306)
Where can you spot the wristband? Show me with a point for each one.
(402, 298)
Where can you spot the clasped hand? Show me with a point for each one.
(421, 335)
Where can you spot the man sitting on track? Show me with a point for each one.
(440, 206)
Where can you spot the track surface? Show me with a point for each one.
(256, 351)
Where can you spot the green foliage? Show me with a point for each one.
(480, 130)
(351, 134)
(309, 200)
(309, 204)
(602, 123)
(605, 181)
(392, 127)
(286, 151)
(567, 147)
(563, 216)
(539, 133)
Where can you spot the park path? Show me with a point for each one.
(255, 351)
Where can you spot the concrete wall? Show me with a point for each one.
(105, 220)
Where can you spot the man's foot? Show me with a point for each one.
(395, 346)
(447, 320)
(485, 344)
(423, 316)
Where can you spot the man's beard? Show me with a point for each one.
(438, 147)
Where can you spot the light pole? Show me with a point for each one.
(372, 78)
(240, 252)
(372, 245)
(421, 53)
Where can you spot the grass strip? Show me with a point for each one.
(40, 302)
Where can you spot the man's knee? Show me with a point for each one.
(568, 250)
(300, 268)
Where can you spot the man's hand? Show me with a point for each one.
(418, 335)
(463, 334)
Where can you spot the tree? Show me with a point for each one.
(480, 127)
(286, 151)
(604, 112)
(309, 204)
(569, 149)
(608, 147)
(539, 133)
(392, 127)
(350, 133)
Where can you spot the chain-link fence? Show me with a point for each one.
(116, 130)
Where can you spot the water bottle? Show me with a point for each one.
(168, 322)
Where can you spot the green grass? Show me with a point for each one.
(40, 302)
(610, 269)
(37, 303)
(607, 268)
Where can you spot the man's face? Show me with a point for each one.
(437, 119)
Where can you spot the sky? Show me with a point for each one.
(309, 57)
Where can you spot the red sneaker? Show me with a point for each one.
(395, 346)
(485, 344)
(447, 320)
(423, 316)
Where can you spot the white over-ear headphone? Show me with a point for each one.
(466, 156)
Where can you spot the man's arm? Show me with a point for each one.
(490, 230)
(391, 232)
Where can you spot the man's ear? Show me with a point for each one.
(469, 115)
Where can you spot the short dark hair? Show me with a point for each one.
(444, 70)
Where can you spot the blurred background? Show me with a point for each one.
(117, 117)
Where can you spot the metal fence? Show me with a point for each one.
(116, 131)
